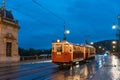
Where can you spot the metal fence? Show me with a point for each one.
(26, 58)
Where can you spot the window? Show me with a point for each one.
(66, 48)
(8, 49)
(70, 49)
(59, 48)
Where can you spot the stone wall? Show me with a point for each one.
(8, 33)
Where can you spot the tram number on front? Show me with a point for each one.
(59, 53)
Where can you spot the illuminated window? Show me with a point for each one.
(66, 48)
(70, 49)
(59, 48)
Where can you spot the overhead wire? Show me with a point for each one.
(40, 5)
(17, 9)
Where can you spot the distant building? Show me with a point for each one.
(107, 45)
(8, 36)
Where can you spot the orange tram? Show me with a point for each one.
(65, 53)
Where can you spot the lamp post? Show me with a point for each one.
(91, 43)
(65, 32)
(118, 33)
(118, 30)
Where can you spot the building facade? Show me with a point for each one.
(8, 37)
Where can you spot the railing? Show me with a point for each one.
(27, 58)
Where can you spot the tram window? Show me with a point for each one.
(66, 48)
(81, 50)
(74, 47)
(70, 49)
(78, 48)
(59, 49)
(53, 49)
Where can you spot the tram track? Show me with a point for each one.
(13, 71)
(25, 73)
(47, 76)
(25, 67)
(44, 75)
(6, 68)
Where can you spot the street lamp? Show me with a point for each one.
(65, 32)
(91, 43)
(114, 27)
(114, 42)
(118, 35)
(118, 32)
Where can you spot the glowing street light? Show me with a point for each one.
(114, 27)
(91, 43)
(114, 42)
(67, 32)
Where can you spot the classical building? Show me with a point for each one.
(8, 36)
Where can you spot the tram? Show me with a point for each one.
(65, 53)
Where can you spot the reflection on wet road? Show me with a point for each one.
(110, 70)
(102, 68)
(81, 72)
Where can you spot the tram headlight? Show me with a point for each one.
(58, 40)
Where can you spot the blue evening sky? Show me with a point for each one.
(39, 26)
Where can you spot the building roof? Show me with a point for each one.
(6, 13)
